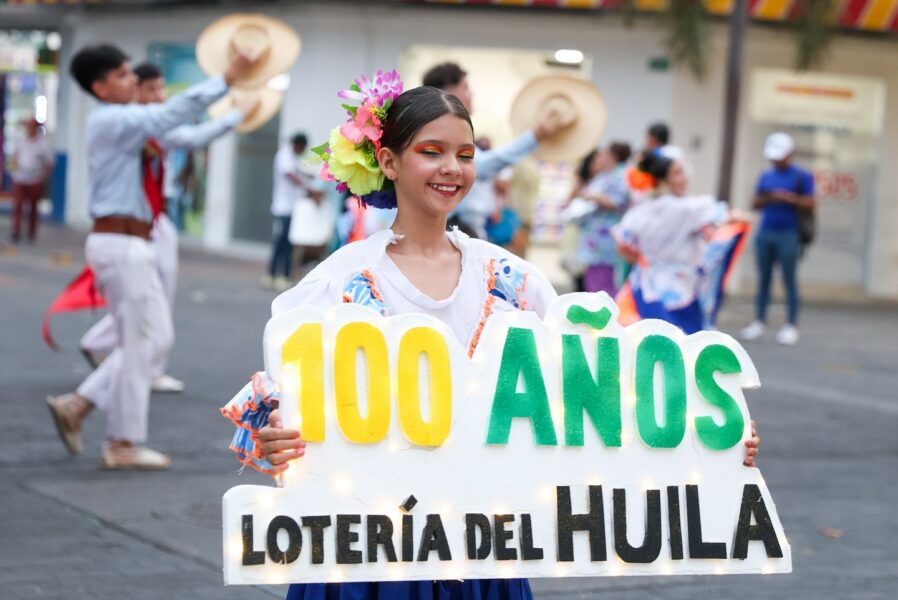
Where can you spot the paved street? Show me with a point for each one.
(828, 414)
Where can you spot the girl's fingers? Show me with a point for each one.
(273, 446)
(270, 433)
(277, 469)
(274, 419)
(281, 458)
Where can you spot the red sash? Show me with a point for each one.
(153, 163)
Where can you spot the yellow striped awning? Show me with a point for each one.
(866, 15)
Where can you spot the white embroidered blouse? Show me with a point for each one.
(669, 233)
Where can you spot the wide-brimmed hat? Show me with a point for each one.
(578, 104)
(269, 104)
(273, 41)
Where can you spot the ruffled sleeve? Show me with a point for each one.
(630, 227)
(249, 411)
(705, 211)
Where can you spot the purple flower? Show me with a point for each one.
(380, 198)
(382, 87)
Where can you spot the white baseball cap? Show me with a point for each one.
(778, 146)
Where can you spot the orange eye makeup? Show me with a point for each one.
(428, 148)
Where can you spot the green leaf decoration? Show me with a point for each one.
(355, 88)
(320, 150)
(597, 319)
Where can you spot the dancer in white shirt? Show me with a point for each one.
(101, 339)
(118, 250)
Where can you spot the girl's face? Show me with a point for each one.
(676, 179)
(436, 170)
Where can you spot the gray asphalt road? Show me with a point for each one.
(828, 413)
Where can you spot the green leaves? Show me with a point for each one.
(814, 31)
(688, 25)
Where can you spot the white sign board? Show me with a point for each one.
(565, 447)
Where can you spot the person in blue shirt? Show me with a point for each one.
(118, 249)
(782, 191)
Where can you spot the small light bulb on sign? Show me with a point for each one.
(235, 547)
(342, 484)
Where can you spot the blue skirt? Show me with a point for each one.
(689, 318)
(469, 589)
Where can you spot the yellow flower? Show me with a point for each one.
(350, 165)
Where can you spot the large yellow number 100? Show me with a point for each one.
(303, 350)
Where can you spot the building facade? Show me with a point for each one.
(856, 254)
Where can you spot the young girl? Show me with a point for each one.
(426, 161)
(665, 237)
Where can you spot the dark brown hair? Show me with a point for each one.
(444, 75)
(93, 63)
(414, 109)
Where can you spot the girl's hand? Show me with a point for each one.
(280, 445)
(751, 447)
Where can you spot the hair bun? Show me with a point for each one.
(655, 165)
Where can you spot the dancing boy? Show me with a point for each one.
(100, 340)
(119, 253)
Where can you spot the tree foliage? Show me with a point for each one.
(687, 24)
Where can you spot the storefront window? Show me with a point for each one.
(28, 88)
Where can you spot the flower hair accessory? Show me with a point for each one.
(350, 154)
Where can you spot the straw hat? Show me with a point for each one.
(273, 41)
(579, 106)
(269, 104)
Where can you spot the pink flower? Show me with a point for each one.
(365, 124)
(325, 173)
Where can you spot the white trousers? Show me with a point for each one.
(127, 276)
(101, 338)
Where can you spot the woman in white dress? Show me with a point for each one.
(665, 237)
